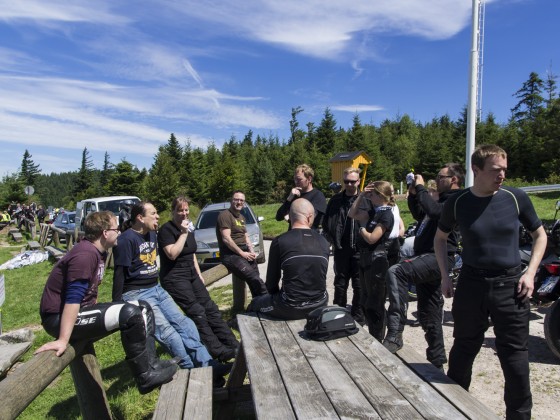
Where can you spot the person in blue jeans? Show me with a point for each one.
(136, 278)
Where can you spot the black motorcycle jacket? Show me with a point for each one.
(336, 220)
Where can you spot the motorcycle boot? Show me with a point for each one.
(147, 378)
(393, 343)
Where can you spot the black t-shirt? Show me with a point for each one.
(490, 226)
(172, 269)
(315, 197)
(138, 255)
(301, 258)
(382, 215)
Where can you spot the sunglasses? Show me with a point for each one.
(349, 181)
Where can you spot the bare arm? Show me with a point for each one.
(356, 212)
(374, 236)
(228, 241)
(197, 268)
(526, 282)
(401, 227)
(67, 321)
(440, 249)
(173, 250)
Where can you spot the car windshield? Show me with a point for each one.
(208, 219)
(114, 206)
(72, 218)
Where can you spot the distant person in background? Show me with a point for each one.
(342, 232)
(124, 213)
(70, 311)
(300, 258)
(377, 224)
(181, 276)
(303, 179)
(41, 214)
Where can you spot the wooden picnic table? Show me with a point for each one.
(292, 377)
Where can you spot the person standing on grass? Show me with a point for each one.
(70, 311)
(492, 282)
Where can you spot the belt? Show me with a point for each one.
(492, 273)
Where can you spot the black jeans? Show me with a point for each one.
(476, 298)
(248, 271)
(191, 295)
(346, 270)
(275, 306)
(424, 272)
(373, 267)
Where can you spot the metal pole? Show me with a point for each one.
(473, 84)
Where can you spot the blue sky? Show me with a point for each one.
(120, 75)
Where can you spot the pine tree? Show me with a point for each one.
(29, 171)
(326, 133)
(530, 99)
(84, 180)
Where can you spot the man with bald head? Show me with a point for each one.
(300, 257)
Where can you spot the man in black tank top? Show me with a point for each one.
(491, 283)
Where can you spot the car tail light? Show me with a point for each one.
(553, 268)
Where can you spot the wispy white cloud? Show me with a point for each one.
(357, 108)
(53, 11)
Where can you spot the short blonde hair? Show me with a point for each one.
(306, 169)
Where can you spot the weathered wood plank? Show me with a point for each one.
(344, 394)
(33, 245)
(54, 252)
(463, 400)
(214, 274)
(379, 391)
(269, 394)
(199, 395)
(304, 389)
(171, 401)
(420, 394)
(16, 236)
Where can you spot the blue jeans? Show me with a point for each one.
(174, 330)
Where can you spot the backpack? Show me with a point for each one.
(330, 322)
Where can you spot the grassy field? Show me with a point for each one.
(23, 291)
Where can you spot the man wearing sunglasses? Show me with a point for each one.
(342, 232)
(422, 269)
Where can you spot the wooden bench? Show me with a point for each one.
(56, 253)
(33, 245)
(188, 395)
(15, 234)
(462, 399)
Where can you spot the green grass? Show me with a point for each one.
(23, 292)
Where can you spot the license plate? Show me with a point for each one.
(548, 285)
(216, 254)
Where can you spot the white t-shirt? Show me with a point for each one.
(396, 225)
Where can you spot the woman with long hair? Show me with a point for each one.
(372, 244)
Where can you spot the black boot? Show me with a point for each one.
(155, 362)
(393, 343)
(147, 378)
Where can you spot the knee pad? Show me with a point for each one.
(129, 315)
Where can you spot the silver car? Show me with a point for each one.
(208, 253)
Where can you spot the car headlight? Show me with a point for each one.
(254, 238)
(202, 245)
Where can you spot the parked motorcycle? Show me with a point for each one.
(547, 283)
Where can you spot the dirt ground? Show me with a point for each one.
(487, 381)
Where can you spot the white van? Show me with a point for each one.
(114, 203)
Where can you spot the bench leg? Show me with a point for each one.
(89, 386)
(235, 380)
